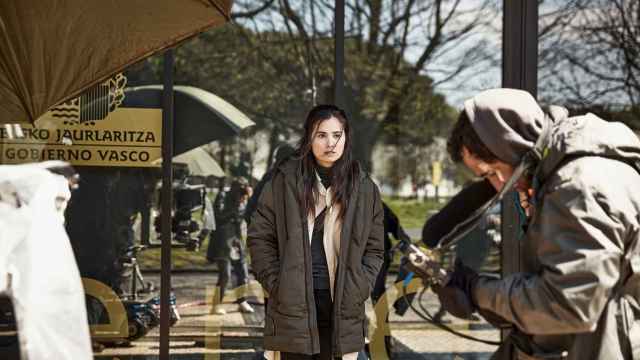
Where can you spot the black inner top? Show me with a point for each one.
(325, 175)
(318, 257)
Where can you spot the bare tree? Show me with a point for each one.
(590, 54)
(397, 52)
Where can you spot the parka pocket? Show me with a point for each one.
(364, 285)
(286, 325)
(356, 293)
(361, 285)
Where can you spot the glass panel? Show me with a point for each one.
(258, 66)
(410, 66)
(588, 58)
(274, 64)
(114, 146)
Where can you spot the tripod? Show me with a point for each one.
(131, 269)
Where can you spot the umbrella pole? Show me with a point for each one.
(167, 181)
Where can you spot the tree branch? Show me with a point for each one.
(252, 13)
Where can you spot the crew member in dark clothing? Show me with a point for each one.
(391, 227)
(458, 209)
(226, 247)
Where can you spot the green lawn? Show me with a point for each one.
(181, 258)
(412, 213)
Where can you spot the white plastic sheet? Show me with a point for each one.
(45, 282)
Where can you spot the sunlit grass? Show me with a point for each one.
(181, 259)
(412, 213)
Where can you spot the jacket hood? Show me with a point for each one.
(508, 121)
(588, 135)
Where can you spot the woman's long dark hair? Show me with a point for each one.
(345, 171)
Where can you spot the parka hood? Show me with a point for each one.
(508, 121)
(512, 125)
(588, 135)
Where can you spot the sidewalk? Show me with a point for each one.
(200, 335)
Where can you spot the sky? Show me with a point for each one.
(477, 77)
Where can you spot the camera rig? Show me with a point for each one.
(187, 200)
(427, 266)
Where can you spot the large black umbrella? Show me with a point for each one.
(200, 116)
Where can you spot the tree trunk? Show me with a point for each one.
(273, 142)
(364, 141)
(364, 131)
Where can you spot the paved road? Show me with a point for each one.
(200, 335)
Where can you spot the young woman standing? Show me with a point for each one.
(316, 244)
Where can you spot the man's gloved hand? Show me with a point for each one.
(457, 295)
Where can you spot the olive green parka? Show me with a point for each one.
(279, 244)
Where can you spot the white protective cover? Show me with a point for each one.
(45, 282)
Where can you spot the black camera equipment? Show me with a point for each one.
(425, 265)
(432, 272)
(187, 200)
(429, 266)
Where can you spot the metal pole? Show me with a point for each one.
(520, 46)
(145, 223)
(519, 71)
(338, 70)
(167, 200)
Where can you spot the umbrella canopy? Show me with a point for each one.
(200, 163)
(200, 116)
(51, 51)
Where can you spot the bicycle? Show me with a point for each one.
(143, 314)
(131, 269)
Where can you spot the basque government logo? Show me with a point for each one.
(93, 105)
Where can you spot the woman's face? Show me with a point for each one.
(328, 142)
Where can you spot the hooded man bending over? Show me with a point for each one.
(578, 295)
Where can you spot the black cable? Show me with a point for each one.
(429, 318)
(424, 308)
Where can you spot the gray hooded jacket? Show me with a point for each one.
(580, 292)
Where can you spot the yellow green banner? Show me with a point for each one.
(130, 137)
